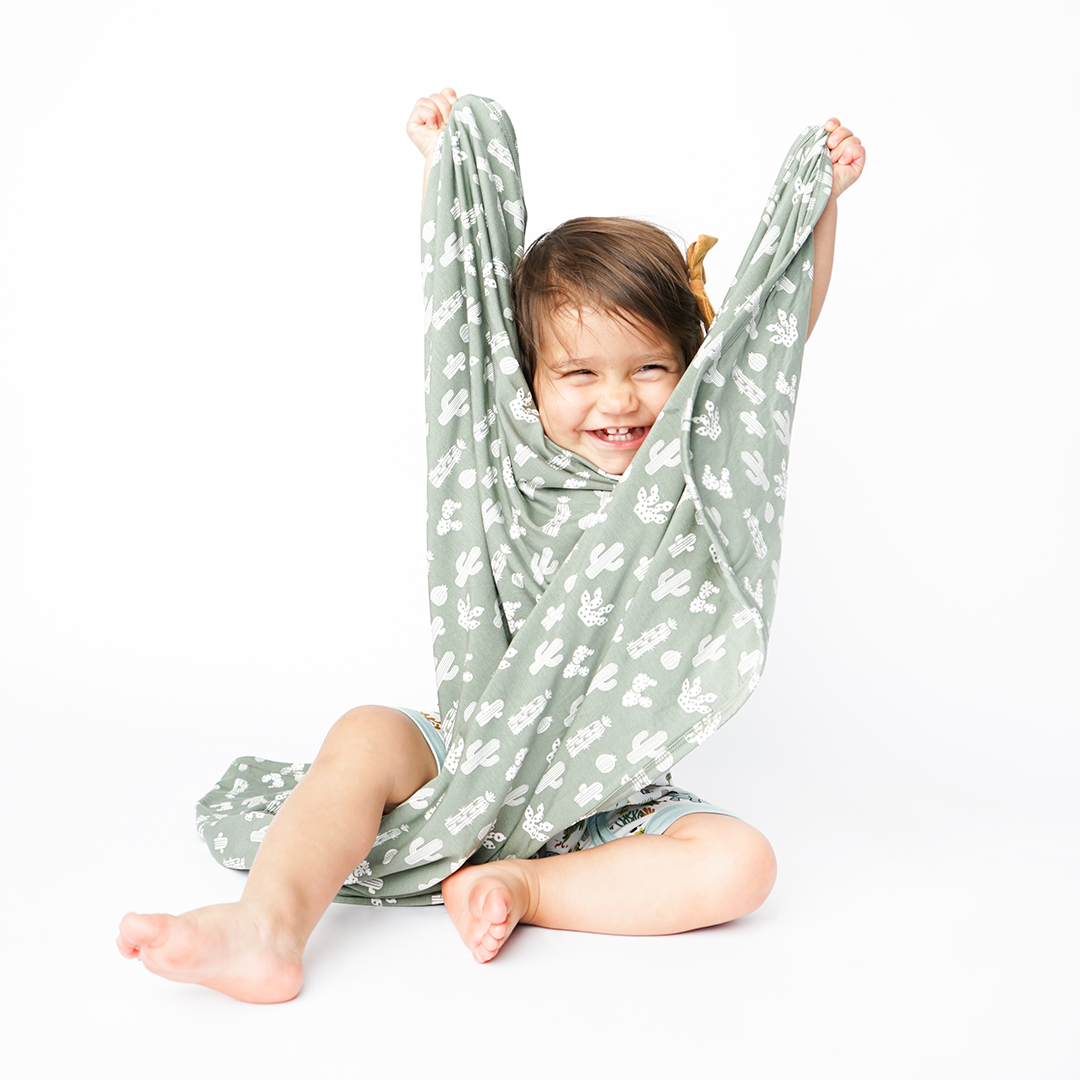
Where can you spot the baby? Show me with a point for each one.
(608, 323)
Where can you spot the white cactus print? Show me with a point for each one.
(708, 424)
(651, 638)
(786, 329)
(701, 601)
(635, 695)
(650, 508)
(577, 662)
(593, 611)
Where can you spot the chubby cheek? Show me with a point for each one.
(556, 412)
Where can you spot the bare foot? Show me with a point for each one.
(486, 902)
(225, 947)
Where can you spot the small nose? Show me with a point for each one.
(618, 398)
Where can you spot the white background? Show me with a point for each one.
(211, 498)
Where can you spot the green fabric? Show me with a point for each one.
(588, 630)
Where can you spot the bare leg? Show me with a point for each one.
(373, 759)
(704, 870)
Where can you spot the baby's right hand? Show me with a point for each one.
(427, 119)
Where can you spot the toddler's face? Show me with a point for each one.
(600, 383)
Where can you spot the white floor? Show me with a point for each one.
(907, 936)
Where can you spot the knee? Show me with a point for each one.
(738, 867)
(756, 870)
(384, 739)
(362, 723)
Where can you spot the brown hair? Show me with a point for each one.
(627, 268)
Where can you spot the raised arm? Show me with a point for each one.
(848, 158)
(425, 123)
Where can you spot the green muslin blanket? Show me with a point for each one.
(589, 630)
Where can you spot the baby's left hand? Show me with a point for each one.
(847, 154)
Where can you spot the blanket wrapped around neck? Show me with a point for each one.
(589, 630)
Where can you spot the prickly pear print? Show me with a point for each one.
(588, 630)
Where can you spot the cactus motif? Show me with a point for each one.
(468, 563)
(498, 561)
(704, 728)
(692, 699)
(519, 757)
(517, 796)
(445, 465)
(701, 601)
(482, 426)
(552, 778)
(588, 793)
(756, 470)
(745, 385)
(465, 816)
(781, 480)
(785, 387)
(650, 509)
(708, 649)
(647, 745)
(543, 565)
(785, 329)
(585, 736)
(755, 592)
(560, 518)
(534, 823)
(577, 662)
(547, 655)
(651, 638)
(598, 515)
(593, 610)
(480, 753)
(492, 515)
(604, 558)
(769, 243)
(528, 713)
(554, 614)
(604, 679)
(420, 852)
(445, 524)
(522, 407)
(663, 455)
(635, 695)
(752, 424)
(448, 309)
(445, 668)
(468, 616)
(454, 364)
(708, 424)
(682, 544)
(720, 484)
(748, 614)
(671, 583)
(453, 755)
(749, 661)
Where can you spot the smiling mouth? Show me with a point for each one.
(620, 436)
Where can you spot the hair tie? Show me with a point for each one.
(695, 259)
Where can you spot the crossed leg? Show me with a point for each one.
(705, 869)
(373, 759)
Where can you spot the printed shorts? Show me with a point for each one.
(651, 810)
